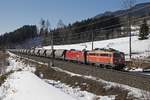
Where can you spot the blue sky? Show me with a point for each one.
(16, 13)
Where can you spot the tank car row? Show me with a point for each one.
(108, 58)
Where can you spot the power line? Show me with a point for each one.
(108, 27)
(78, 36)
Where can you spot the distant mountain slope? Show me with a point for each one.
(138, 10)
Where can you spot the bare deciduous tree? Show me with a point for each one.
(128, 3)
(60, 24)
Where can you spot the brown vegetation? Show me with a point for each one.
(138, 63)
(92, 86)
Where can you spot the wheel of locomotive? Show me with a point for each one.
(101, 65)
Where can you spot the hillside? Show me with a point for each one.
(140, 48)
(104, 26)
(144, 8)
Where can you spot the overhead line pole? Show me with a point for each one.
(130, 47)
(52, 48)
(130, 30)
(92, 40)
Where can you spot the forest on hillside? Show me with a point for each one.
(9, 40)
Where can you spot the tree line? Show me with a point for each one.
(104, 27)
(81, 31)
(101, 28)
(8, 40)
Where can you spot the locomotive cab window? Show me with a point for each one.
(105, 55)
(92, 54)
(116, 55)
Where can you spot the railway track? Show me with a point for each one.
(131, 79)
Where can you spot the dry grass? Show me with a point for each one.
(145, 95)
(3, 55)
(4, 77)
(92, 86)
(138, 63)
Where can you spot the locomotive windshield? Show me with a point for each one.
(117, 55)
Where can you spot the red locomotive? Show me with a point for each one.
(109, 58)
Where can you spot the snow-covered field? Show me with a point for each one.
(140, 48)
(24, 85)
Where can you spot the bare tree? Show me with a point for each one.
(61, 30)
(44, 30)
(47, 27)
(128, 4)
(60, 24)
(42, 26)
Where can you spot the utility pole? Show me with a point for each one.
(92, 40)
(52, 48)
(129, 4)
(129, 30)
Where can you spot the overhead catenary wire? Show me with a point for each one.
(129, 11)
(73, 39)
(107, 28)
(103, 29)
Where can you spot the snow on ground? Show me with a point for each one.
(132, 91)
(25, 85)
(136, 70)
(16, 65)
(140, 48)
(77, 93)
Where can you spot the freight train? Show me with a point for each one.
(108, 58)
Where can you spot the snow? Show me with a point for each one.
(136, 70)
(16, 65)
(77, 93)
(132, 91)
(25, 85)
(140, 48)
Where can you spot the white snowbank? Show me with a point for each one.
(16, 65)
(136, 70)
(132, 91)
(25, 85)
(77, 93)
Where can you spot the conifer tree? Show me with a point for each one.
(144, 29)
